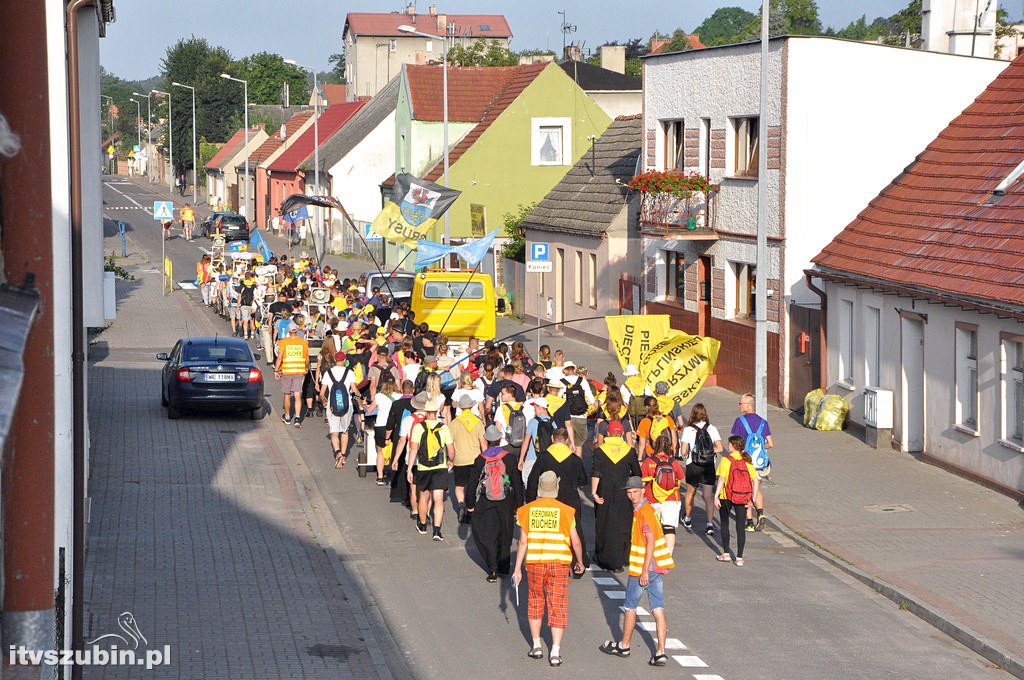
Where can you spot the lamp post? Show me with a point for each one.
(404, 28)
(761, 275)
(149, 127)
(138, 128)
(245, 86)
(316, 151)
(170, 141)
(195, 168)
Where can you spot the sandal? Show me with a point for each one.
(555, 661)
(536, 653)
(612, 647)
(339, 460)
(658, 660)
(724, 557)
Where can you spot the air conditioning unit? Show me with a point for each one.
(878, 411)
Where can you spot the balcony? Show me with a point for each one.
(674, 205)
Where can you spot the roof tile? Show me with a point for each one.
(386, 24)
(331, 120)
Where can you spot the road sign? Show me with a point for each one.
(538, 267)
(370, 235)
(539, 251)
(163, 210)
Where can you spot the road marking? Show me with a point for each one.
(137, 204)
(614, 594)
(690, 661)
(673, 643)
(640, 611)
(707, 677)
(649, 626)
(186, 285)
(605, 581)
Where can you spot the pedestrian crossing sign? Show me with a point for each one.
(163, 210)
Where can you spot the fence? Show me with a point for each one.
(513, 275)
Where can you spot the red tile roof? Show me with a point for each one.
(659, 44)
(518, 79)
(473, 25)
(938, 228)
(331, 120)
(274, 141)
(471, 89)
(229, 149)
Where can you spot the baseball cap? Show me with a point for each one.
(661, 387)
(615, 428)
(542, 402)
(568, 364)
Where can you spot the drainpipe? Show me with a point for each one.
(78, 415)
(823, 358)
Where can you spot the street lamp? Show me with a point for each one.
(149, 128)
(316, 150)
(170, 140)
(245, 86)
(404, 28)
(138, 127)
(195, 168)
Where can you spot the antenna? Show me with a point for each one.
(567, 28)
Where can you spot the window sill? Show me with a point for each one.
(744, 321)
(1012, 445)
(966, 429)
(848, 386)
(742, 178)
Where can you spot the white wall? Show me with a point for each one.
(426, 142)
(617, 102)
(356, 178)
(92, 208)
(856, 115)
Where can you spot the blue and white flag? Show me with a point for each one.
(428, 252)
(257, 242)
(298, 215)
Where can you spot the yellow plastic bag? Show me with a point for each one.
(833, 413)
(387, 451)
(811, 403)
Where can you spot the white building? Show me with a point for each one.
(844, 118)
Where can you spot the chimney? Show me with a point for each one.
(442, 23)
(951, 27)
(573, 52)
(433, 10)
(410, 9)
(613, 58)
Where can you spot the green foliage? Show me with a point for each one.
(337, 62)
(724, 26)
(679, 43)
(512, 222)
(635, 67)
(1004, 28)
(786, 17)
(111, 265)
(267, 73)
(482, 53)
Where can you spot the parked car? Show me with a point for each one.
(233, 226)
(211, 373)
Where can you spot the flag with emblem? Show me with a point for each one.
(413, 210)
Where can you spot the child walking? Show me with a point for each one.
(737, 485)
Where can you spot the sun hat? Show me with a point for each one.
(568, 364)
(492, 434)
(547, 486)
(634, 483)
(466, 401)
(419, 401)
(631, 370)
(433, 404)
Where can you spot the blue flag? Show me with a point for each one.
(297, 215)
(473, 252)
(257, 242)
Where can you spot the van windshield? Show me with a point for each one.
(442, 290)
(396, 284)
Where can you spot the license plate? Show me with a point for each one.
(220, 377)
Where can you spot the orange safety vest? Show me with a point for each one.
(187, 215)
(294, 353)
(638, 548)
(547, 523)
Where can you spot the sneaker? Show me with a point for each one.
(492, 577)
(759, 523)
(421, 528)
(437, 534)
(687, 522)
(286, 419)
(750, 525)
(710, 530)
(298, 423)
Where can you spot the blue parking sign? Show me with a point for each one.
(539, 251)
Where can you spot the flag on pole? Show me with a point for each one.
(297, 215)
(413, 210)
(257, 242)
(428, 252)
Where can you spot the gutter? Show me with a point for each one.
(823, 352)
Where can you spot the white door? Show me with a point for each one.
(912, 379)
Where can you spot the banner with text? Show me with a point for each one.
(413, 210)
(634, 335)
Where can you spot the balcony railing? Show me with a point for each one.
(675, 204)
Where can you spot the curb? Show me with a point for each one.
(959, 632)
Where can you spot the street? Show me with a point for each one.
(238, 544)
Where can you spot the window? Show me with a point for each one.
(1012, 385)
(550, 142)
(392, 45)
(745, 146)
(592, 280)
(578, 279)
(453, 290)
(705, 147)
(846, 342)
(966, 366)
(745, 289)
(675, 280)
(872, 346)
(674, 145)
(430, 46)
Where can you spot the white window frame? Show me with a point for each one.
(844, 368)
(742, 156)
(965, 366)
(674, 149)
(392, 45)
(872, 346)
(592, 280)
(537, 126)
(743, 275)
(1011, 389)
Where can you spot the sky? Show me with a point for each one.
(310, 31)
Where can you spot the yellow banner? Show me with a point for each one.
(683, 361)
(634, 335)
(392, 226)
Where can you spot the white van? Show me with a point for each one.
(397, 285)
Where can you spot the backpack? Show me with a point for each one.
(636, 406)
(515, 431)
(665, 479)
(448, 380)
(338, 399)
(494, 482)
(739, 490)
(423, 455)
(755, 446)
(545, 428)
(658, 425)
(575, 397)
(703, 448)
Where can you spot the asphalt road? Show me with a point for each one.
(786, 614)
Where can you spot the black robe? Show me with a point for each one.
(494, 522)
(614, 517)
(571, 476)
(399, 482)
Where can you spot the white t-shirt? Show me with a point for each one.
(410, 371)
(690, 437)
(383, 403)
(476, 393)
(337, 373)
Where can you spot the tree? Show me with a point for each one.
(724, 26)
(905, 26)
(337, 73)
(482, 53)
(1004, 29)
(512, 222)
(679, 43)
(267, 73)
(786, 17)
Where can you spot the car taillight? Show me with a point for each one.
(255, 375)
(184, 375)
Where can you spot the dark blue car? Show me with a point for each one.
(206, 374)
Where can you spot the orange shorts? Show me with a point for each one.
(548, 582)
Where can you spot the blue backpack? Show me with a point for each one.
(755, 446)
(338, 398)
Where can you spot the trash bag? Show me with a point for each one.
(832, 413)
(812, 402)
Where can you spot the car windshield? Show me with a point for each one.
(233, 222)
(397, 284)
(215, 353)
(470, 290)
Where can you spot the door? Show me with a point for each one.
(560, 285)
(804, 353)
(912, 383)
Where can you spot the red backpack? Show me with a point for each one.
(494, 482)
(738, 488)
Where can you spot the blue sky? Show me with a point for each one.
(310, 31)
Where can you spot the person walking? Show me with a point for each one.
(649, 560)
(431, 448)
(468, 435)
(495, 492)
(188, 221)
(290, 368)
(337, 373)
(568, 467)
(615, 462)
(701, 441)
(664, 475)
(737, 486)
(746, 425)
(548, 543)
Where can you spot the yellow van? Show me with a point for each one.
(467, 297)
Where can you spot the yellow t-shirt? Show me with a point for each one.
(725, 465)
